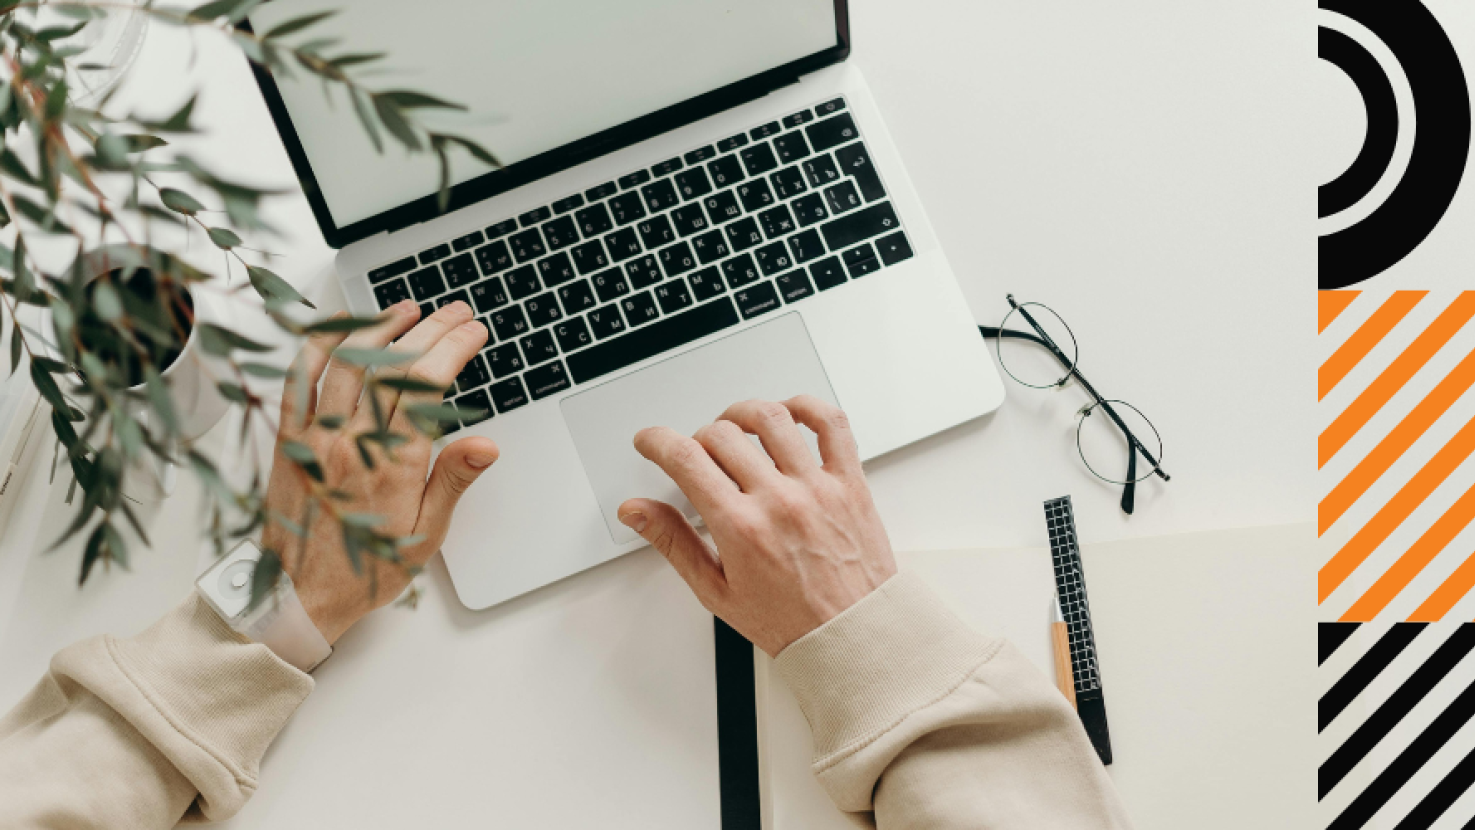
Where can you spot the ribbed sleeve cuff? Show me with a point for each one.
(209, 700)
(894, 652)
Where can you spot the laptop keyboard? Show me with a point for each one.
(645, 264)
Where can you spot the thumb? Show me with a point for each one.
(670, 533)
(456, 468)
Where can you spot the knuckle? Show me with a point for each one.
(836, 419)
(768, 412)
(687, 452)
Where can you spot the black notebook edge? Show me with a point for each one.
(737, 730)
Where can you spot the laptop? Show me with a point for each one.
(700, 205)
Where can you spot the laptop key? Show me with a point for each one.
(432, 254)
(693, 183)
(510, 323)
(560, 233)
(861, 260)
(589, 257)
(776, 222)
(740, 271)
(533, 217)
(391, 292)
(743, 234)
(755, 195)
(655, 232)
(677, 330)
(501, 229)
(542, 310)
(830, 107)
(639, 177)
(771, 128)
(831, 132)
(842, 197)
(393, 269)
(643, 272)
(491, 336)
(673, 296)
(426, 309)
(547, 380)
(622, 244)
(827, 273)
(659, 195)
(677, 259)
(508, 395)
(727, 145)
(759, 299)
(856, 163)
(446, 299)
(700, 155)
(810, 209)
(706, 284)
(603, 191)
(726, 170)
(799, 118)
(494, 258)
(639, 308)
(806, 246)
(758, 159)
(606, 321)
(489, 294)
(572, 334)
(527, 245)
(859, 226)
(467, 242)
(427, 283)
(568, 203)
(689, 219)
(610, 284)
(460, 270)
(894, 248)
(821, 171)
(538, 347)
(710, 247)
(790, 147)
(594, 220)
(722, 207)
(473, 375)
(666, 167)
(788, 182)
(478, 406)
(794, 286)
(773, 258)
(523, 282)
(505, 360)
(627, 208)
(577, 298)
(556, 269)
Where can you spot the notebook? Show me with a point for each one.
(1207, 648)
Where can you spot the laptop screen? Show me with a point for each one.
(535, 75)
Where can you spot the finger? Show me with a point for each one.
(735, 453)
(670, 533)
(301, 388)
(456, 469)
(343, 382)
(775, 427)
(438, 367)
(831, 426)
(419, 341)
(689, 465)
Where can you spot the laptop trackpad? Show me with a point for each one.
(772, 361)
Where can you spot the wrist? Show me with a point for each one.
(278, 621)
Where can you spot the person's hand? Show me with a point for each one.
(797, 541)
(397, 489)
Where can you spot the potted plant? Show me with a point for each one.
(128, 359)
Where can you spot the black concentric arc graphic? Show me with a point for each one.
(1440, 148)
(1382, 122)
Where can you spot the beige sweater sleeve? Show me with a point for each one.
(931, 725)
(141, 732)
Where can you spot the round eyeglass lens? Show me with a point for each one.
(1033, 362)
(1106, 449)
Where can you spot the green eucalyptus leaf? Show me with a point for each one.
(218, 340)
(46, 385)
(335, 325)
(356, 59)
(404, 384)
(140, 142)
(180, 202)
(55, 33)
(158, 395)
(56, 99)
(105, 301)
(232, 10)
(373, 357)
(296, 24)
(408, 99)
(273, 288)
(361, 109)
(443, 412)
(233, 392)
(224, 238)
(367, 521)
(177, 122)
(265, 577)
(395, 122)
(262, 370)
(128, 433)
(477, 151)
(91, 554)
(15, 348)
(11, 165)
(331, 422)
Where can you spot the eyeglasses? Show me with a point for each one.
(1044, 357)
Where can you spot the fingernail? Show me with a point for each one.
(635, 520)
(473, 326)
(405, 306)
(479, 460)
(462, 309)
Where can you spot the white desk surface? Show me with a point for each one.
(1129, 164)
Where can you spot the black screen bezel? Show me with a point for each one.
(547, 163)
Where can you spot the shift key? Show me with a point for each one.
(859, 226)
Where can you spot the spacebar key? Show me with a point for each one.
(676, 330)
(860, 226)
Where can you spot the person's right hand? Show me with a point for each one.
(798, 541)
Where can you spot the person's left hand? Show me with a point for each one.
(397, 489)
